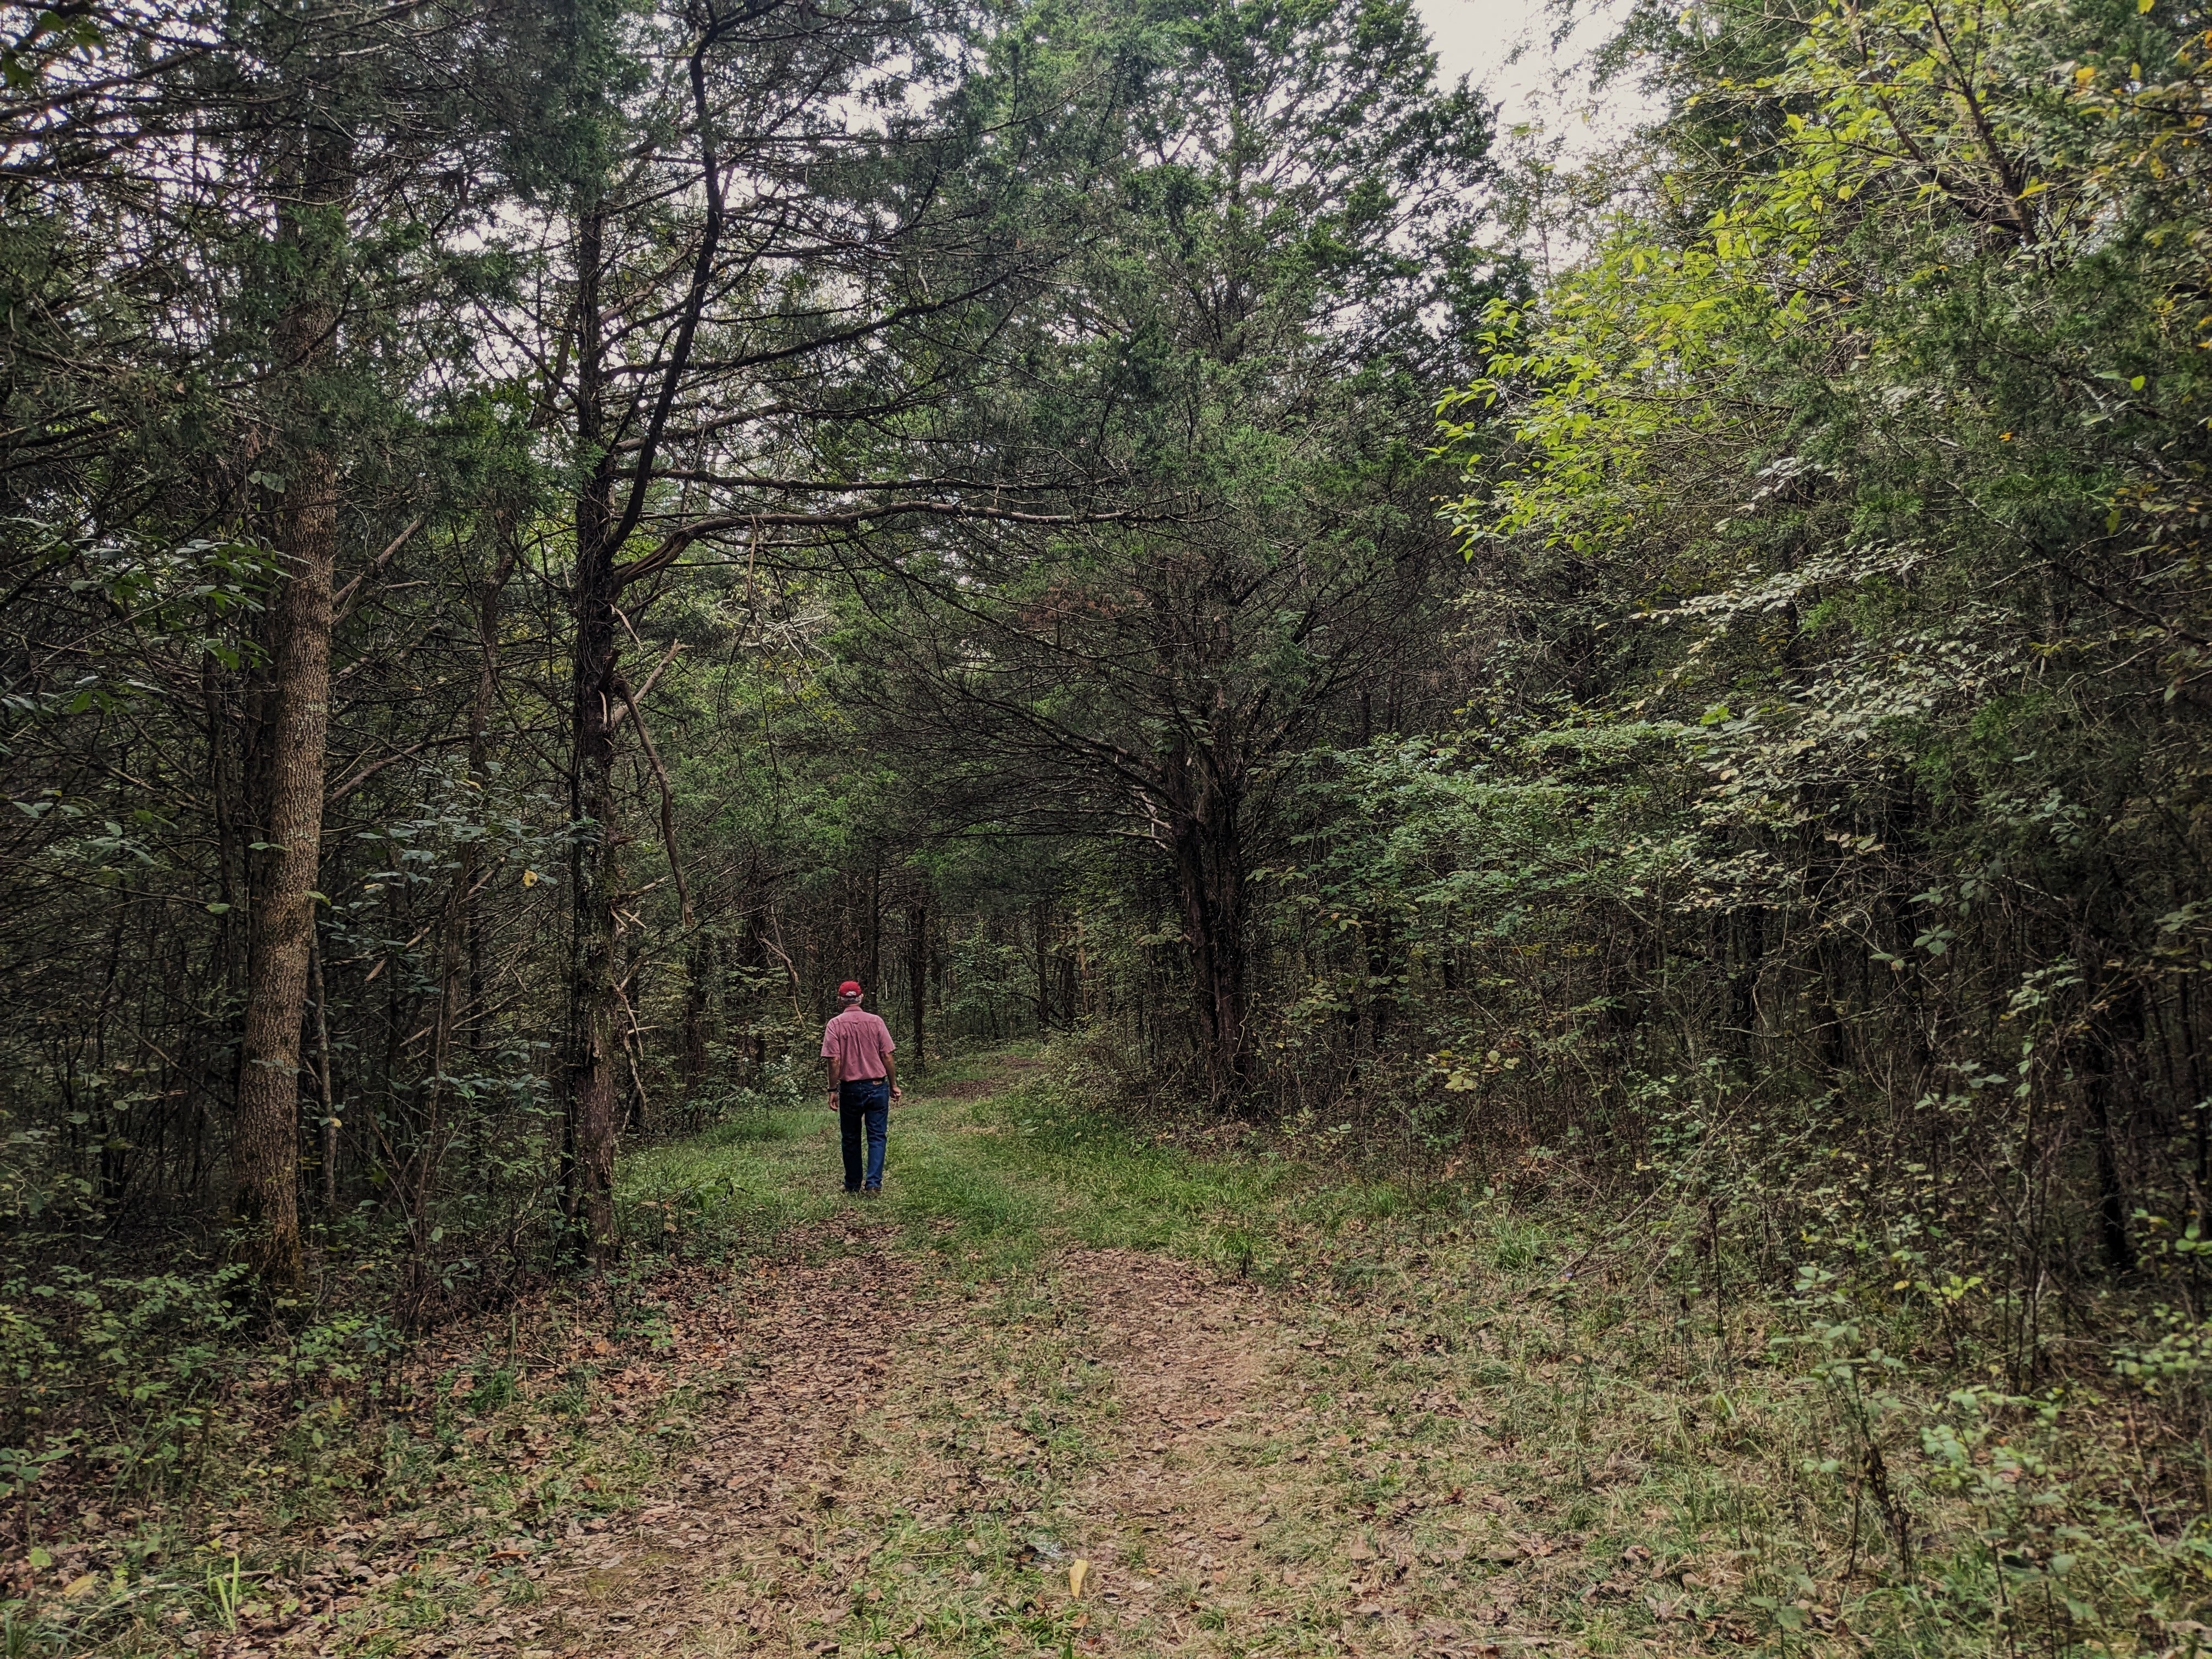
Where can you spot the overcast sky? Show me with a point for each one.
(1473, 37)
(1477, 37)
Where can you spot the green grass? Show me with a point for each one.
(1727, 1464)
(995, 1183)
(1474, 1379)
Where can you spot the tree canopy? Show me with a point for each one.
(541, 537)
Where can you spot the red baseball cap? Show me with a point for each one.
(851, 987)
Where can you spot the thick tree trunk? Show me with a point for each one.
(588, 1063)
(288, 776)
(265, 1138)
(588, 1072)
(588, 1066)
(1210, 883)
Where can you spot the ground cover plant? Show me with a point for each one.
(1077, 1386)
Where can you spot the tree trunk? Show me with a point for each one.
(588, 1062)
(700, 970)
(1210, 883)
(876, 930)
(588, 1067)
(324, 1092)
(755, 967)
(917, 978)
(481, 709)
(2113, 1037)
(282, 871)
(630, 971)
(2201, 1119)
(1043, 923)
(420, 1176)
(265, 1158)
(1378, 944)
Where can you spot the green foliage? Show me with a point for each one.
(1867, 501)
(1752, 901)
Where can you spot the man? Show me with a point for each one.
(863, 1082)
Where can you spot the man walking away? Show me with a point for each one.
(863, 1082)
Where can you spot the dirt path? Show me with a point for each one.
(865, 1432)
(878, 1422)
(1006, 1410)
(911, 1472)
(1174, 1514)
(774, 1457)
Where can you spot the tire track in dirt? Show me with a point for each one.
(1215, 1526)
(1175, 1520)
(787, 1487)
(774, 1457)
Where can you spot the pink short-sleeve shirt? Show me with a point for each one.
(860, 1042)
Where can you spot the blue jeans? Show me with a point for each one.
(859, 1104)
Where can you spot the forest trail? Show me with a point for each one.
(794, 1525)
(967, 1420)
(1072, 1387)
(1068, 1389)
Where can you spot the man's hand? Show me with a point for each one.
(898, 1092)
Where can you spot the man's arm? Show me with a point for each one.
(891, 1073)
(836, 1069)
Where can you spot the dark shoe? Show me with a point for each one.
(872, 1192)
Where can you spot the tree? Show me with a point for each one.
(1242, 348)
(848, 248)
(289, 186)
(1874, 486)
